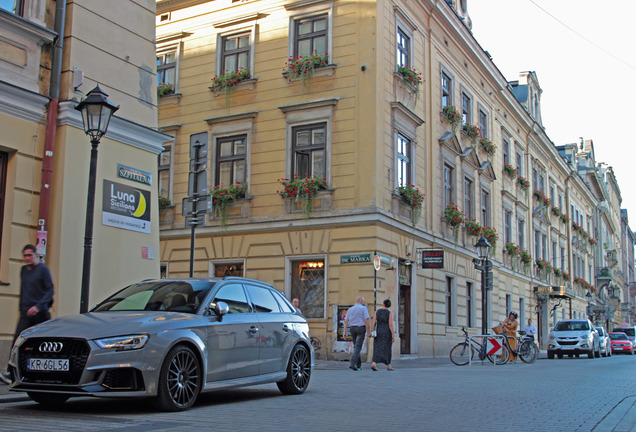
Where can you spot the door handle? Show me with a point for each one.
(253, 329)
(286, 328)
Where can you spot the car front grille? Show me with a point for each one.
(75, 350)
(568, 342)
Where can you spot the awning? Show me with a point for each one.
(555, 291)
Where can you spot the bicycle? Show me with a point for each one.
(459, 354)
(527, 351)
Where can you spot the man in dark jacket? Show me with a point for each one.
(36, 295)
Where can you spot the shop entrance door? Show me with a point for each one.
(405, 319)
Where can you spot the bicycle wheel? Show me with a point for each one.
(528, 352)
(460, 353)
(502, 357)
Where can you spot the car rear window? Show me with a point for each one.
(618, 336)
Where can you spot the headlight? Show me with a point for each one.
(122, 343)
(19, 341)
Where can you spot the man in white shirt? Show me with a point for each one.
(357, 320)
(530, 329)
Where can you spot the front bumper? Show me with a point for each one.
(92, 370)
(570, 346)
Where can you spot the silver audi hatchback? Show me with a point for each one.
(169, 339)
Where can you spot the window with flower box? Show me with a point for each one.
(308, 150)
(447, 89)
(403, 48)
(519, 163)
(505, 148)
(468, 198)
(483, 123)
(403, 160)
(467, 109)
(167, 67)
(235, 53)
(485, 208)
(507, 225)
(449, 181)
(521, 233)
(230, 160)
(537, 244)
(311, 35)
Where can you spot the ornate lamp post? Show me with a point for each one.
(96, 112)
(483, 264)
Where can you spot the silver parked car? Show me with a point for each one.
(573, 337)
(169, 339)
(604, 342)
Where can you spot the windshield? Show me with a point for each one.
(572, 326)
(618, 336)
(172, 296)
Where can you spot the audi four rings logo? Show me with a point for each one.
(51, 347)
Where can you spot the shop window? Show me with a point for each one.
(229, 269)
(308, 285)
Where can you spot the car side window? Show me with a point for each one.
(284, 303)
(234, 296)
(262, 299)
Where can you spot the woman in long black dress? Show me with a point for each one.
(385, 336)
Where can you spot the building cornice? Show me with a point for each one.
(232, 117)
(119, 129)
(29, 29)
(23, 104)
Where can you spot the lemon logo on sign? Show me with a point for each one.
(141, 207)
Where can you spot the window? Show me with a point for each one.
(234, 296)
(552, 197)
(230, 160)
(310, 35)
(468, 198)
(562, 258)
(537, 244)
(235, 52)
(485, 208)
(470, 293)
(403, 161)
(521, 233)
(508, 304)
(262, 299)
(519, 163)
(483, 123)
(544, 246)
(554, 255)
(507, 226)
(535, 178)
(448, 185)
(228, 269)
(522, 311)
(542, 182)
(308, 149)
(447, 90)
(163, 172)
(308, 285)
(560, 202)
(449, 301)
(403, 48)
(467, 112)
(505, 149)
(167, 67)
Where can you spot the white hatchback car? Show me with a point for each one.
(573, 337)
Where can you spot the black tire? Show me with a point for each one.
(179, 381)
(528, 352)
(460, 352)
(502, 358)
(49, 400)
(550, 355)
(597, 354)
(298, 372)
(591, 354)
(560, 356)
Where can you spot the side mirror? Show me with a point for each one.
(221, 308)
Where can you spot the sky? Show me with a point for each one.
(584, 55)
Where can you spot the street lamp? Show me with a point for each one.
(96, 112)
(483, 249)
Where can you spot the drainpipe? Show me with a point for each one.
(51, 125)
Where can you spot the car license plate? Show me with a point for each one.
(55, 365)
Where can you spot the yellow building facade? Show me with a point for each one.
(42, 79)
(369, 119)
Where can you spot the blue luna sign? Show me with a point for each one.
(126, 207)
(134, 174)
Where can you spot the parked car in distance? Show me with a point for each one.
(604, 342)
(168, 339)
(620, 343)
(573, 337)
(629, 330)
